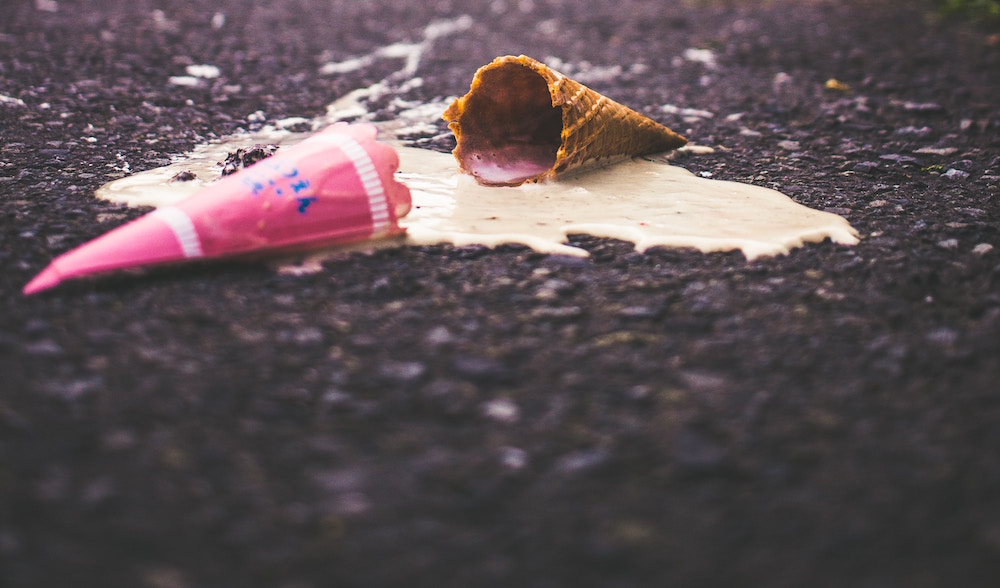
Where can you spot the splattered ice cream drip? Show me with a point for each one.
(355, 104)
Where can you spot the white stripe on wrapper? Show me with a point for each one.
(364, 167)
(182, 227)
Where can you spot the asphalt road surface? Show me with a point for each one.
(447, 416)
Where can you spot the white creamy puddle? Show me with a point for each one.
(645, 201)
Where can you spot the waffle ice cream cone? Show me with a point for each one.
(522, 122)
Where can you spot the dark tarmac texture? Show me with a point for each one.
(469, 417)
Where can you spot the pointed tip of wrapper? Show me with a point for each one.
(522, 121)
(48, 278)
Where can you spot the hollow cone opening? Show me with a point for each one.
(522, 121)
(511, 132)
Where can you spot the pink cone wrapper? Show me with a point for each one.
(335, 187)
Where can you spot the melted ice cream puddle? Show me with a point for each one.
(644, 200)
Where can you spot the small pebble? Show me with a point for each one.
(915, 131)
(557, 312)
(44, 347)
(982, 249)
(937, 151)
(439, 336)
(900, 159)
(513, 458)
(204, 71)
(402, 371)
(964, 165)
(336, 399)
(955, 174)
(639, 392)
(501, 410)
(580, 461)
(184, 81)
(943, 337)
(781, 78)
(922, 107)
(553, 288)
(638, 312)
(307, 336)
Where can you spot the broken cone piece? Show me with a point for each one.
(522, 121)
(335, 187)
